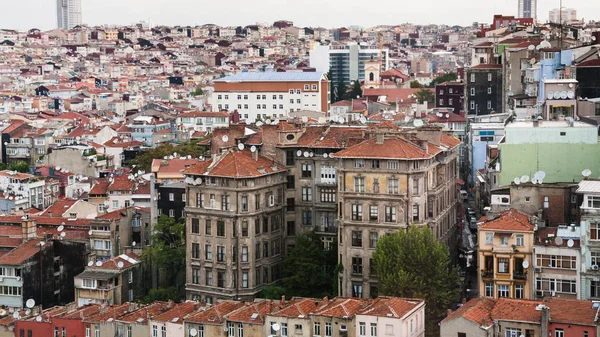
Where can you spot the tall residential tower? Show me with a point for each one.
(68, 13)
(528, 9)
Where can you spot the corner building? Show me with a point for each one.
(234, 231)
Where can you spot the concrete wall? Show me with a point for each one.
(552, 135)
(453, 327)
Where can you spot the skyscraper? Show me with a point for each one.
(528, 9)
(68, 13)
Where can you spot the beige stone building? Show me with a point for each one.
(386, 183)
(505, 256)
(234, 225)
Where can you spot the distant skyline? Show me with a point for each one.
(27, 14)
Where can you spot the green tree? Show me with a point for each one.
(167, 251)
(356, 91)
(425, 95)
(143, 161)
(449, 77)
(198, 92)
(415, 84)
(414, 264)
(163, 294)
(309, 267)
(272, 292)
(340, 91)
(19, 166)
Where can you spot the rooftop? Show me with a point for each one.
(272, 77)
(510, 220)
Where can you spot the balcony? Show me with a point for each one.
(487, 273)
(326, 229)
(520, 275)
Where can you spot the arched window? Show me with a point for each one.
(371, 77)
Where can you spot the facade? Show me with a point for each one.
(589, 194)
(234, 225)
(483, 94)
(450, 95)
(562, 15)
(171, 200)
(27, 190)
(113, 281)
(271, 94)
(204, 120)
(387, 183)
(527, 9)
(68, 13)
(505, 256)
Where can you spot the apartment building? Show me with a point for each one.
(25, 189)
(589, 197)
(505, 256)
(263, 95)
(387, 183)
(484, 89)
(203, 120)
(68, 13)
(234, 229)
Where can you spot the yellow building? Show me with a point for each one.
(505, 248)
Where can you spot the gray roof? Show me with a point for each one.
(589, 186)
(97, 275)
(272, 77)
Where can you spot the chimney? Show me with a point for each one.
(545, 320)
(449, 312)
(29, 228)
(464, 301)
(282, 300)
(424, 145)
(380, 137)
(255, 155)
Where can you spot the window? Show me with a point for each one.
(357, 266)
(362, 329)
(518, 291)
(373, 237)
(230, 329)
(393, 164)
(415, 186)
(356, 238)
(284, 330)
(441, 101)
(375, 163)
(195, 250)
(415, 212)
(89, 283)
(298, 91)
(306, 218)
(558, 261)
(224, 202)
(163, 331)
(595, 289)
(393, 186)
(154, 331)
(594, 231)
(489, 90)
(220, 228)
(221, 279)
(373, 213)
(306, 193)
(171, 196)
(357, 290)
(220, 253)
(328, 195)
(472, 105)
(489, 238)
(472, 77)
(244, 203)
(328, 330)
(489, 290)
(503, 265)
(115, 204)
(489, 104)
(359, 163)
(244, 228)
(502, 290)
(559, 333)
(390, 214)
(489, 77)
(373, 329)
(450, 101)
(291, 182)
(195, 226)
(240, 330)
(546, 202)
(512, 332)
(317, 329)
(244, 279)
(357, 212)
(472, 91)
(504, 241)
(291, 91)
(208, 227)
(208, 252)
(306, 170)
(88, 332)
(520, 240)
(359, 184)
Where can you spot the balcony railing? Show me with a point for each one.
(487, 273)
(520, 275)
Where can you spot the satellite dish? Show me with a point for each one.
(276, 327)
(248, 122)
(268, 121)
(331, 155)
(322, 120)
(363, 120)
(30, 303)
(225, 138)
(325, 155)
(570, 243)
(193, 332)
(557, 95)
(524, 179)
(240, 146)
(60, 228)
(276, 122)
(299, 153)
(63, 234)
(28, 312)
(550, 95)
(16, 315)
(418, 122)
(38, 318)
(120, 264)
(98, 263)
(253, 149)
(525, 264)
(198, 181)
(586, 173)
(90, 232)
(532, 61)
(517, 181)
(304, 119)
(306, 154)
(174, 154)
(558, 241)
(563, 95)
(570, 95)
(311, 154)
(447, 115)
(342, 120)
(134, 243)
(539, 175)
(91, 263)
(259, 124)
(531, 47)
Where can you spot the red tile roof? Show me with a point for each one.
(297, 307)
(236, 164)
(450, 141)
(113, 312)
(173, 165)
(509, 309)
(396, 307)
(340, 307)
(141, 315)
(258, 310)
(487, 66)
(130, 259)
(83, 312)
(118, 142)
(571, 311)
(100, 188)
(23, 252)
(391, 148)
(214, 314)
(510, 220)
(59, 207)
(121, 183)
(477, 310)
(395, 94)
(179, 311)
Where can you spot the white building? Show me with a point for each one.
(68, 13)
(392, 316)
(203, 120)
(527, 9)
(25, 189)
(565, 15)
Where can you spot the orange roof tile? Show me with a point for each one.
(83, 312)
(214, 314)
(571, 311)
(477, 310)
(141, 315)
(237, 164)
(21, 253)
(100, 188)
(258, 310)
(114, 312)
(59, 207)
(179, 311)
(391, 148)
(340, 307)
(510, 220)
(510, 309)
(296, 307)
(396, 307)
(129, 259)
(121, 183)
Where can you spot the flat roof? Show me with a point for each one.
(273, 77)
(549, 124)
(561, 80)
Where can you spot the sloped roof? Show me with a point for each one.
(297, 307)
(214, 314)
(510, 220)
(340, 307)
(236, 164)
(177, 313)
(272, 77)
(21, 253)
(517, 310)
(571, 311)
(477, 310)
(391, 148)
(253, 313)
(384, 306)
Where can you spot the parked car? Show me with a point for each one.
(473, 223)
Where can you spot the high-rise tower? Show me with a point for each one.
(528, 9)
(68, 13)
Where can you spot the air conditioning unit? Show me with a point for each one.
(1, 279)
(538, 269)
(595, 267)
(539, 293)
